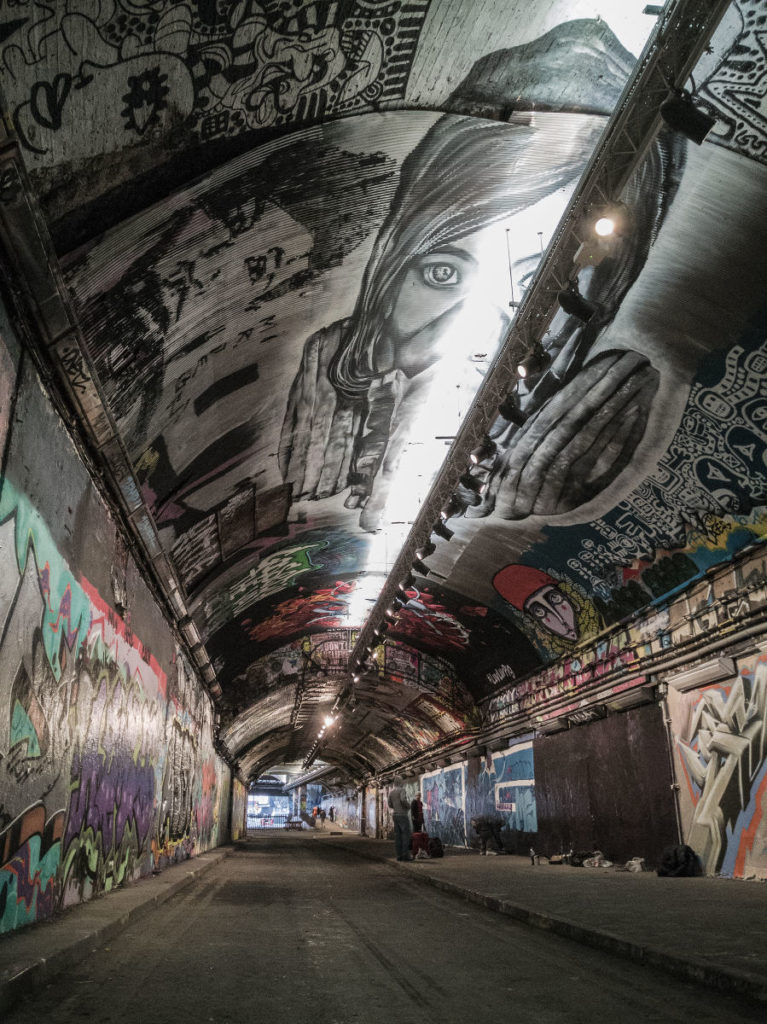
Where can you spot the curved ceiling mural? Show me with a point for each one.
(297, 235)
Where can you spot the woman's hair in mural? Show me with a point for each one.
(465, 174)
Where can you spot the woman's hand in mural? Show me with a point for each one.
(578, 442)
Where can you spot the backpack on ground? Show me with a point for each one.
(436, 848)
(679, 862)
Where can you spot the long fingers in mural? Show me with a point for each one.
(579, 441)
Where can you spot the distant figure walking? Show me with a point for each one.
(400, 806)
(323, 815)
(332, 814)
(488, 828)
(416, 813)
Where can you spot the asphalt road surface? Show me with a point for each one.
(294, 931)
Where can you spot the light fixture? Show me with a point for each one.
(420, 567)
(701, 675)
(408, 583)
(681, 115)
(391, 613)
(329, 720)
(471, 483)
(510, 409)
(535, 363)
(574, 304)
(426, 549)
(454, 507)
(484, 452)
(441, 530)
(381, 628)
(604, 227)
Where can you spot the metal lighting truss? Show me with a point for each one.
(680, 37)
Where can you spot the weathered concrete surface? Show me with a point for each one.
(294, 924)
(296, 928)
(34, 955)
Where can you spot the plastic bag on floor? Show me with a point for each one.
(636, 864)
(597, 860)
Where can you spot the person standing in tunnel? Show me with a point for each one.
(416, 812)
(400, 807)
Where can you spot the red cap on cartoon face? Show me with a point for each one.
(515, 583)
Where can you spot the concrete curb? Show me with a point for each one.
(68, 941)
(728, 980)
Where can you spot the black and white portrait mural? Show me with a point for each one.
(289, 343)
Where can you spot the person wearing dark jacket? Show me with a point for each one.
(488, 828)
(416, 813)
(399, 805)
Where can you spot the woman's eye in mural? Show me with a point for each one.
(441, 275)
(555, 597)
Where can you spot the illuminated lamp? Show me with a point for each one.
(426, 549)
(420, 567)
(454, 507)
(442, 530)
(408, 583)
(681, 115)
(481, 454)
(574, 304)
(537, 361)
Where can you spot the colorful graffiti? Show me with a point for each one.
(722, 768)
(443, 795)
(107, 767)
(503, 785)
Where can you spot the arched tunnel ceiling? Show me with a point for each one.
(296, 235)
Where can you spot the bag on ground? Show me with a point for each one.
(679, 861)
(435, 847)
(420, 841)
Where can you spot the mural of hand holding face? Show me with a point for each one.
(434, 294)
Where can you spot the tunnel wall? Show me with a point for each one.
(606, 786)
(346, 808)
(690, 765)
(239, 810)
(108, 769)
(719, 736)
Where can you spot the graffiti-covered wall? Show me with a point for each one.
(107, 765)
(719, 733)
(239, 809)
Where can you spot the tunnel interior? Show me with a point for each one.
(337, 446)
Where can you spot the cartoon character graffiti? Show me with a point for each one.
(537, 594)
(551, 611)
(267, 72)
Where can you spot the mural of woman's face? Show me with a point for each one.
(448, 303)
